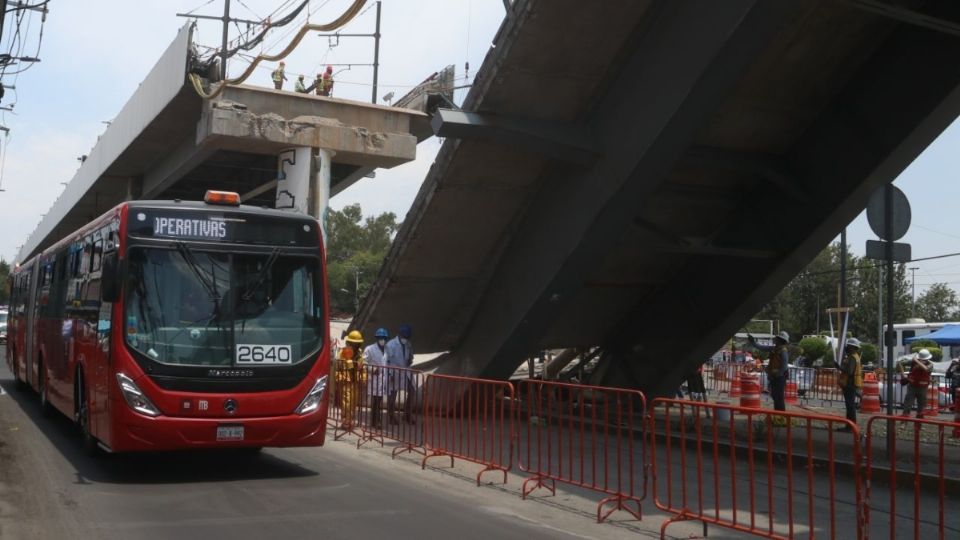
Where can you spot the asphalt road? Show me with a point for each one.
(50, 489)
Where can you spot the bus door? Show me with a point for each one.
(97, 344)
(30, 321)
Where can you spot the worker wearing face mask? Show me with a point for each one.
(399, 354)
(374, 357)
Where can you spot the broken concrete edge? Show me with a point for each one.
(237, 128)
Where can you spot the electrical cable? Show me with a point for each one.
(346, 17)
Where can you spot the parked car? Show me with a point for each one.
(3, 325)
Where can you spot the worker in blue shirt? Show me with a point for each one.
(399, 354)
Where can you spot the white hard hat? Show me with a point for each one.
(924, 354)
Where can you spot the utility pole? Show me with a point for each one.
(376, 55)
(913, 293)
(376, 51)
(226, 20)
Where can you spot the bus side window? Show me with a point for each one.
(97, 255)
(87, 256)
(906, 334)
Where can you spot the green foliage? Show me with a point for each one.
(814, 348)
(801, 305)
(356, 248)
(868, 353)
(938, 303)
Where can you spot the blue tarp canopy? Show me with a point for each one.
(948, 335)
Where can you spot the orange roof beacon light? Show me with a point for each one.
(225, 198)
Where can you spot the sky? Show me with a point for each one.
(95, 53)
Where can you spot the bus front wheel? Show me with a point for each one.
(82, 406)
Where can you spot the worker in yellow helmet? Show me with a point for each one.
(349, 375)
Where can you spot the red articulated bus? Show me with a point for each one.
(170, 325)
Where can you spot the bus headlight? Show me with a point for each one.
(135, 397)
(314, 397)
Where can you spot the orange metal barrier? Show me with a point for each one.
(587, 436)
(469, 419)
(826, 386)
(911, 473)
(719, 378)
(753, 470)
(389, 408)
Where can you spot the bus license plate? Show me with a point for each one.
(229, 433)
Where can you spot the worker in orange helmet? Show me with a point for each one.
(350, 375)
(325, 83)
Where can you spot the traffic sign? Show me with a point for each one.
(878, 250)
(876, 215)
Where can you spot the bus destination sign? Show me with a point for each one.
(222, 227)
(213, 229)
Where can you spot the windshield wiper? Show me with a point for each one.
(194, 267)
(262, 276)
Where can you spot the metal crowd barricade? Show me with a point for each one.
(720, 379)
(469, 419)
(825, 386)
(907, 479)
(390, 408)
(766, 473)
(587, 436)
(804, 377)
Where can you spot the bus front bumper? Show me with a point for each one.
(136, 432)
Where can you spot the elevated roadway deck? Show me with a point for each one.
(167, 142)
(648, 175)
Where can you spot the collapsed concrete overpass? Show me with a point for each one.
(169, 143)
(647, 176)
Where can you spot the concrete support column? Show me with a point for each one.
(293, 179)
(322, 199)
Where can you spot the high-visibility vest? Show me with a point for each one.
(850, 361)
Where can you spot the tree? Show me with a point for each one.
(356, 248)
(801, 305)
(938, 303)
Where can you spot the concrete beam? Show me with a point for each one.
(562, 141)
(231, 126)
(764, 167)
(174, 166)
(686, 58)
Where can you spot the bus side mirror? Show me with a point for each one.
(110, 278)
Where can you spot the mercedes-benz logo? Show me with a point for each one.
(230, 405)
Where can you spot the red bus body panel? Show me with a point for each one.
(188, 419)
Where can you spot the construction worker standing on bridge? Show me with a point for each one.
(299, 87)
(278, 76)
(776, 367)
(349, 375)
(325, 82)
(399, 354)
(850, 378)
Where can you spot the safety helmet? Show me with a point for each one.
(784, 336)
(853, 342)
(354, 337)
(382, 333)
(924, 354)
(405, 331)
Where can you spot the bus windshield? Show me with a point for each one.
(212, 308)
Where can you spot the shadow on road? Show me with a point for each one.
(148, 467)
